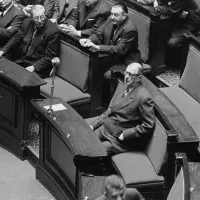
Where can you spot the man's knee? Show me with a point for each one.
(176, 42)
(107, 75)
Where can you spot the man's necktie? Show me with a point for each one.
(112, 34)
(126, 92)
(32, 39)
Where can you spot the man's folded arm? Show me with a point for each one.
(174, 7)
(14, 26)
(48, 6)
(148, 122)
(123, 45)
(100, 21)
(14, 41)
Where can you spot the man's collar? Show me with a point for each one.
(7, 9)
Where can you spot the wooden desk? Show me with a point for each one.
(67, 146)
(17, 87)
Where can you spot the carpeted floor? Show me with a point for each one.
(17, 180)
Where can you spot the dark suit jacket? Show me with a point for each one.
(48, 5)
(62, 10)
(132, 114)
(87, 23)
(131, 194)
(44, 48)
(14, 18)
(124, 44)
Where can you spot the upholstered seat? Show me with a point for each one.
(145, 168)
(136, 169)
(188, 106)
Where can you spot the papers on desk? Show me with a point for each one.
(56, 107)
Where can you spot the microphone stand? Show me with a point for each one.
(55, 62)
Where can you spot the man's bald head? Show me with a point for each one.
(134, 68)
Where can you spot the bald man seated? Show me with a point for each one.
(115, 189)
(129, 121)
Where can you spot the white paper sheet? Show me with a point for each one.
(56, 107)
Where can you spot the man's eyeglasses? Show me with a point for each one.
(37, 18)
(129, 74)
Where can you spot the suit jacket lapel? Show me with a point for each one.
(108, 34)
(129, 98)
(93, 9)
(7, 17)
(119, 30)
(28, 36)
(62, 6)
(37, 40)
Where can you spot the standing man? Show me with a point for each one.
(115, 189)
(10, 20)
(88, 16)
(26, 6)
(62, 9)
(37, 43)
(129, 120)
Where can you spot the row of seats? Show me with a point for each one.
(79, 81)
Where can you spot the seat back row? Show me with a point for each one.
(80, 84)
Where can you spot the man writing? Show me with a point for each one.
(10, 20)
(38, 42)
(115, 189)
(88, 16)
(129, 120)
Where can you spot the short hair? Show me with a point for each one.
(114, 182)
(122, 6)
(35, 8)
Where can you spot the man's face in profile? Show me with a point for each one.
(90, 2)
(117, 15)
(39, 17)
(114, 194)
(5, 3)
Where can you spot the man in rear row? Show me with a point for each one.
(38, 42)
(129, 120)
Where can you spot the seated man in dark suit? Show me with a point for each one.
(26, 6)
(88, 16)
(129, 120)
(117, 38)
(62, 9)
(115, 189)
(36, 43)
(10, 20)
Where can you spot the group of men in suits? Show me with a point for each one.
(35, 42)
(129, 120)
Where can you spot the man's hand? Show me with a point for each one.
(63, 26)
(30, 68)
(155, 4)
(1, 53)
(53, 20)
(27, 9)
(72, 31)
(121, 137)
(84, 41)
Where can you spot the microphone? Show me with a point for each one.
(55, 63)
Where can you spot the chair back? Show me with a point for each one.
(190, 80)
